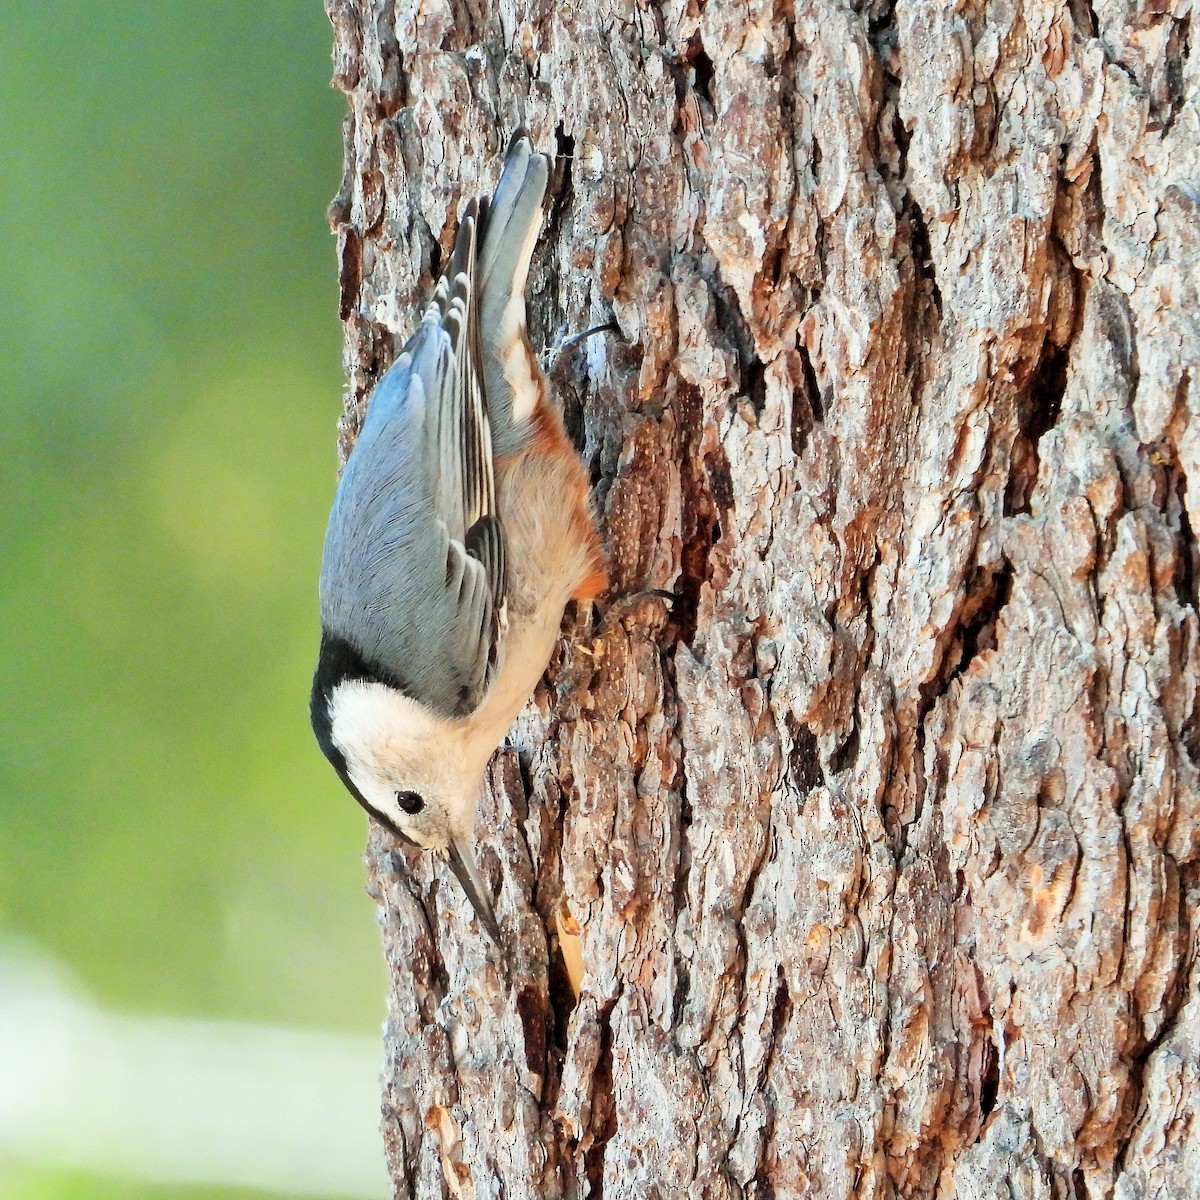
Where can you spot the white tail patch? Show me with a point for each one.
(511, 337)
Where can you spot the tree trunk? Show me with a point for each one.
(884, 839)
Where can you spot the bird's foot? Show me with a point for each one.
(553, 353)
(631, 605)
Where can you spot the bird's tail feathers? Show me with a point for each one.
(510, 224)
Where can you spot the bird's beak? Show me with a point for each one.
(462, 863)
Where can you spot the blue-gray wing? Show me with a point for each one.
(413, 574)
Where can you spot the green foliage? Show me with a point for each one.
(72, 1185)
(169, 378)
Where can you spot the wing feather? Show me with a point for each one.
(436, 626)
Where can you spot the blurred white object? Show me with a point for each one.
(215, 1102)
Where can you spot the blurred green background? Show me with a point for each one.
(170, 379)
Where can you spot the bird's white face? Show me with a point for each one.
(407, 763)
(417, 772)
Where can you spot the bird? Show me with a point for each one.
(460, 530)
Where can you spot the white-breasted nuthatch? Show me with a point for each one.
(460, 529)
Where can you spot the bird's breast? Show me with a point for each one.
(543, 497)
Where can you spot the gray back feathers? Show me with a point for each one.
(413, 574)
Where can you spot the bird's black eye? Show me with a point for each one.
(410, 802)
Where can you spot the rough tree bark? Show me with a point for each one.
(884, 841)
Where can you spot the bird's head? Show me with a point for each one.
(413, 770)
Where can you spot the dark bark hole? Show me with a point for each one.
(1037, 414)
(989, 1086)
(560, 994)
(1046, 392)
(808, 408)
(733, 324)
(1185, 566)
(533, 1025)
(693, 574)
(982, 611)
(1190, 735)
(881, 28)
(564, 148)
(804, 760)
(923, 255)
(1175, 507)
(720, 487)
(705, 485)
(349, 272)
(844, 756)
(680, 889)
(902, 139)
(1022, 476)
(702, 67)
(781, 1014)
(815, 399)
(782, 1011)
(754, 383)
(571, 399)
(776, 265)
(604, 1112)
